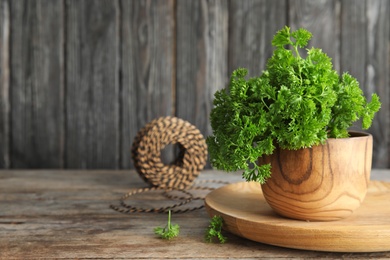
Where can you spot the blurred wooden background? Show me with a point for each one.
(78, 79)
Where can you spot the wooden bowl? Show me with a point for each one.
(323, 183)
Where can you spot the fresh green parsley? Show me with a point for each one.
(169, 231)
(214, 230)
(296, 102)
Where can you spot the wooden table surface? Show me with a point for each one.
(66, 214)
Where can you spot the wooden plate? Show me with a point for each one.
(247, 214)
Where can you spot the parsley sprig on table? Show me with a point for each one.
(169, 231)
(296, 102)
(214, 230)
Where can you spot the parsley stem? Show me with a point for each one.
(297, 52)
(265, 104)
(298, 63)
(169, 220)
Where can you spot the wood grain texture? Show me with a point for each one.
(322, 19)
(36, 84)
(251, 32)
(92, 84)
(201, 55)
(4, 84)
(65, 214)
(246, 213)
(353, 39)
(148, 65)
(377, 68)
(322, 183)
(79, 79)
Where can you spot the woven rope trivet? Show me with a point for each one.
(177, 176)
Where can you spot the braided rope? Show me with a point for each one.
(161, 209)
(127, 209)
(149, 142)
(177, 176)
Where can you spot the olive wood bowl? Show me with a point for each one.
(322, 183)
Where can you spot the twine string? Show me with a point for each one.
(178, 176)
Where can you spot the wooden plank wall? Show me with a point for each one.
(78, 79)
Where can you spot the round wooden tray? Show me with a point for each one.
(247, 214)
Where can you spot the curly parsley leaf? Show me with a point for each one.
(295, 103)
(169, 231)
(282, 38)
(370, 111)
(214, 230)
(302, 37)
